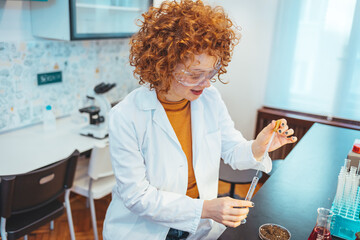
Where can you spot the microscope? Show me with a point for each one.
(98, 127)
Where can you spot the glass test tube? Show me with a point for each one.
(250, 193)
(252, 189)
(347, 164)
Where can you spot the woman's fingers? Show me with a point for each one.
(227, 211)
(238, 211)
(288, 132)
(292, 139)
(288, 136)
(283, 129)
(234, 223)
(241, 203)
(284, 135)
(231, 224)
(233, 218)
(283, 123)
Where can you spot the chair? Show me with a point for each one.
(95, 179)
(30, 200)
(229, 175)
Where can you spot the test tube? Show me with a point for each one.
(347, 190)
(340, 188)
(354, 190)
(347, 164)
(250, 193)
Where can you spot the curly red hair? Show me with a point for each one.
(173, 34)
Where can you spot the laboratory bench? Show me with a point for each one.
(31, 148)
(305, 181)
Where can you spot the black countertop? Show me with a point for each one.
(306, 181)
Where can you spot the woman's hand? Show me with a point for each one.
(282, 136)
(226, 210)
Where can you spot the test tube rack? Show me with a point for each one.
(346, 220)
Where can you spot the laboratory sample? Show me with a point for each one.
(322, 227)
(271, 231)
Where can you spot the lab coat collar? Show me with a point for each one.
(148, 101)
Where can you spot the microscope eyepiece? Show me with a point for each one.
(103, 87)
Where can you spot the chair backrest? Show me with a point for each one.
(29, 191)
(100, 163)
(227, 174)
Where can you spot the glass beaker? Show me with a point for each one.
(321, 230)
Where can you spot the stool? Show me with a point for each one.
(229, 175)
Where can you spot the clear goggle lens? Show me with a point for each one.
(197, 77)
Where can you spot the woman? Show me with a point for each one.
(167, 137)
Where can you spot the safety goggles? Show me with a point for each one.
(195, 78)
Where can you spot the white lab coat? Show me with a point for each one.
(152, 172)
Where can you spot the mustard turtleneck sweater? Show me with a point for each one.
(179, 115)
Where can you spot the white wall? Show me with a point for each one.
(247, 72)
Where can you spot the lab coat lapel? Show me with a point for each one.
(197, 128)
(161, 119)
(148, 101)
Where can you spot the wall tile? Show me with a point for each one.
(83, 64)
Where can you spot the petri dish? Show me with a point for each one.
(271, 231)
